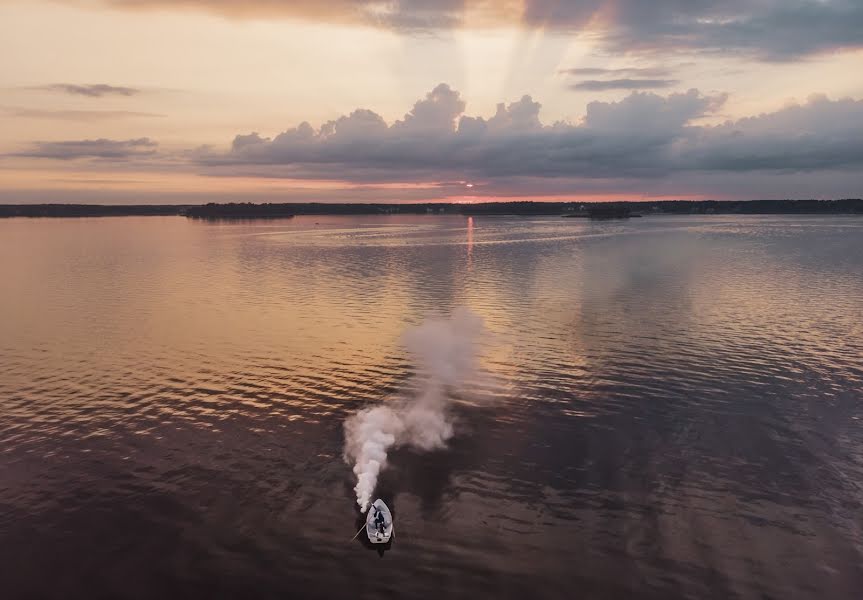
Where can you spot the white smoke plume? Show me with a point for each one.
(445, 353)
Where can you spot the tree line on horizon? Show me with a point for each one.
(247, 210)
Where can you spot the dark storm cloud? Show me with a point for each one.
(767, 29)
(601, 85)
(644, 135)
(91, 90)
(99, 148)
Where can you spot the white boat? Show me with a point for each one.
(379, 523)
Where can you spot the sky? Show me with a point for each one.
(189, 101)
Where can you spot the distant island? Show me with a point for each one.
(527, 208)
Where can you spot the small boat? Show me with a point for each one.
(379, 523)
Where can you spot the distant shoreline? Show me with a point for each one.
(284, 210)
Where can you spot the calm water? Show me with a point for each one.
(671, 408)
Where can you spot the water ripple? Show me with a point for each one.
(670, 407)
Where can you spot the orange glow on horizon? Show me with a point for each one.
(64, 177)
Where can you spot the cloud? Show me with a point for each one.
(395, 14)
(99, 149)
(625, 78)
(601, 85)
(773, 30)
(643, 136)
(623, 72)
(435, 113)
(644, 142)
(647, 114)
(821, 134)
(92, 90)
(76, 115)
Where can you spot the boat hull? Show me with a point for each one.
(376, 534)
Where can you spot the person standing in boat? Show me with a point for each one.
(379, 520)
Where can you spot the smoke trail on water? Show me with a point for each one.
(445, 355)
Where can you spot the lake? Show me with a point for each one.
(668, 407)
